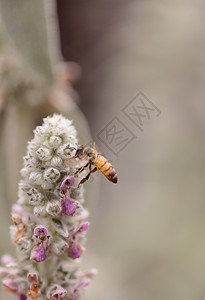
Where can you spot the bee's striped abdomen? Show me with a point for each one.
(106, 168)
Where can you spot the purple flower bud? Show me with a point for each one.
(77, 289)
(6, 259)
(68, 206)
(39, 251)
(82, 284)
(18, 210)
(22, 297)
(74, 249)
(68, 182)
(82, 228)
(41, 231)
(56, 294)
(34, 289)
(10, 285)
(8, 272)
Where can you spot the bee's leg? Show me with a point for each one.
(88, 175)
(80, 170)
(94, 170)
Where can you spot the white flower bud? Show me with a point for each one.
(53, 208)
(56, 162)
(55, 141)
(43, 153)
(59, 246)
(34, 197)
(35, 178)
(23, 186)
(24, 172)
(46, 185)
(39, 211)
(65, 151)
(24, 245)
(51, 175)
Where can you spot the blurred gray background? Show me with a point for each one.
(147, 234)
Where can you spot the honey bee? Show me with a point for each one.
(94, 159)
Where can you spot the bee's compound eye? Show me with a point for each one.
(79, 150)
(88, 151)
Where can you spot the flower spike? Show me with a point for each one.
(48, 216)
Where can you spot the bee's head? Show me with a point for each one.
(79, 151)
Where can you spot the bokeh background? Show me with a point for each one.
(147, 234)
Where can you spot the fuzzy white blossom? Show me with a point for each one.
(49, 219)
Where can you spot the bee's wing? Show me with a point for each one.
(76, 157)
(95, 147)
(70, 158)
(84, 159)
